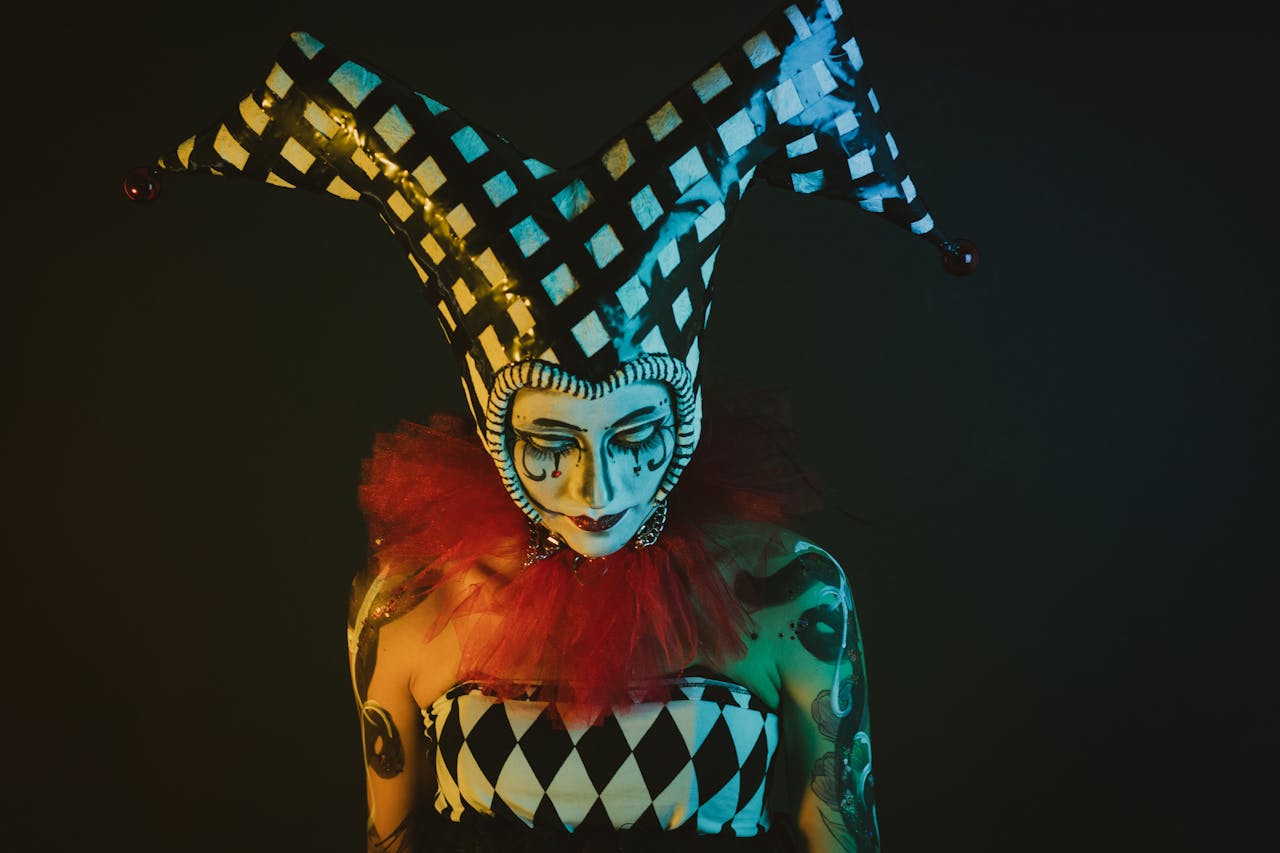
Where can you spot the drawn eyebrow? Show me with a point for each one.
(638, 413)
(548, 422)
(631, 416)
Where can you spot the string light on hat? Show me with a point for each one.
(598, 274)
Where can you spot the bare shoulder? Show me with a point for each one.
(799, 600)
(393, 620)
(404, 627)
(382, 596)
(770, 565)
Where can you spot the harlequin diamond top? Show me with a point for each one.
(698, 760)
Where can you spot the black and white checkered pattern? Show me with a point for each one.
(589, 267)
(701, 758)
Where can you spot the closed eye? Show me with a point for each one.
(641, 439)
(548, 443)
(639, 435)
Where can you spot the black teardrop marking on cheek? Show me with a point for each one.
(524, 462)
(666, 452)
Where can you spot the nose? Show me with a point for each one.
(593, 485)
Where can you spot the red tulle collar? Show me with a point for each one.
(436, 511)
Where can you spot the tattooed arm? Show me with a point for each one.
(806, 607)
(385, 641)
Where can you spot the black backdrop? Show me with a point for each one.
(1062, 466)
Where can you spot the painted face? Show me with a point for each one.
(592, 467)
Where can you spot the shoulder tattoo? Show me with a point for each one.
(379, 606)
(826, 629)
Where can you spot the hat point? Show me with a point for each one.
(142, 184)
(959, 257)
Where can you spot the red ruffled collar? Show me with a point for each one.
(436, 510)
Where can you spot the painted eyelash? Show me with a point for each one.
(644, 445)
(533, 448)
(538, 451)
(537, 443)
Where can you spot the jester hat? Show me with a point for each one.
(587, 277)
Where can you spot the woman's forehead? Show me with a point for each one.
(638, 400)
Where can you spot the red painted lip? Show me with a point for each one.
(596, 525)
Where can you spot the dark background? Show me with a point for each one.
(1063, 465)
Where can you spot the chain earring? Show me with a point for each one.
(652, 528)
(542, 544)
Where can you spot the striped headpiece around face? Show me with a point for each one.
(591, 276)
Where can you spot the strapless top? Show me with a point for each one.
(696, 759)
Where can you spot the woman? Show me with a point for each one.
(557, 656)
(673, 706)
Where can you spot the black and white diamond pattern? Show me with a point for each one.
(700, 758)
(589, 266)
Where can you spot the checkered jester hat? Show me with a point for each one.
(584, 278)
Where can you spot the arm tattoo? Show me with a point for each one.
(383, 745)
(399, 840)
(842, 779)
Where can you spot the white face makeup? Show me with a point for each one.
(592, 467)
